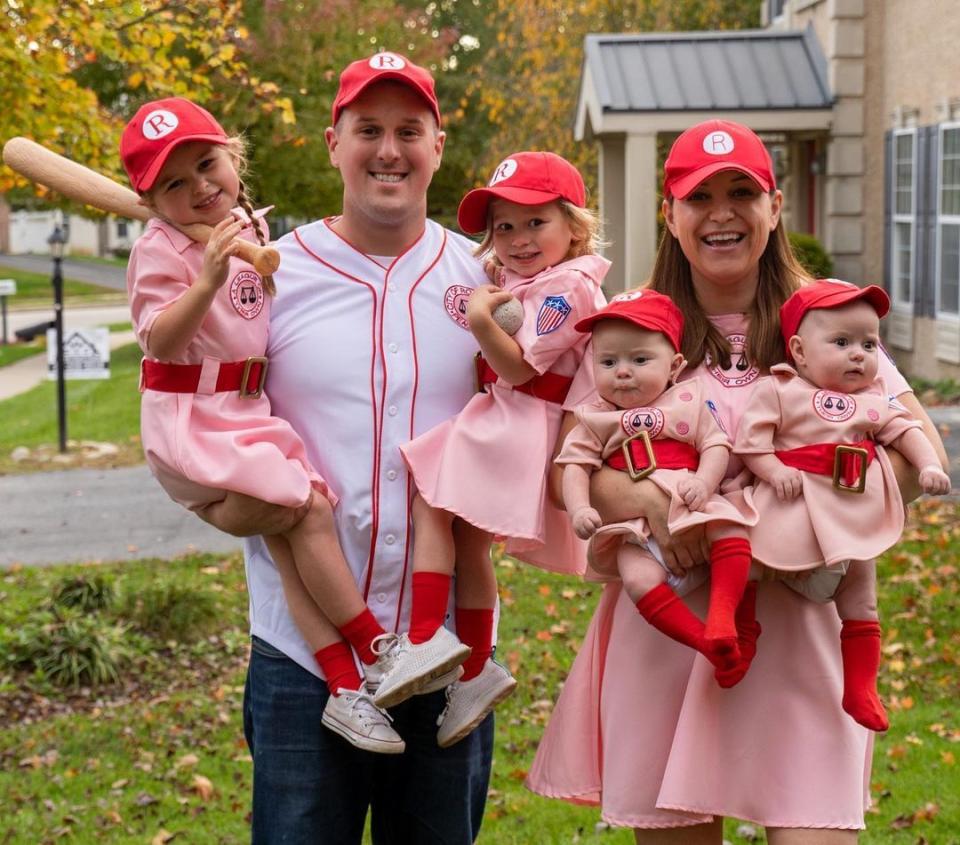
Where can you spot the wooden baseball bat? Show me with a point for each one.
(84, 185)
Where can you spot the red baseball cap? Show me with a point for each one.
(827, 293)
(156, 130)
(645, 308)
(359, 75)
(710, 147)
(526, 179)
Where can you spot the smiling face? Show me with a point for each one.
(632, 366)
(723, 226)
(197, 184)
(837, 348)
(529, 238)
(387, 147)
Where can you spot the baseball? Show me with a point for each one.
(509, 316)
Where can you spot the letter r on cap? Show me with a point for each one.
(718, 144)
(386, 61)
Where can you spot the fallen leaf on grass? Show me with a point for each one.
(187, 760)
(204, 787)
(162, 837)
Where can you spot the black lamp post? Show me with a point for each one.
(56, 241)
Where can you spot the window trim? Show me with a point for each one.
(911, 218)
(952, 219)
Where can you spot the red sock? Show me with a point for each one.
(360, 631)
(475, 629)
(336, 663)
(729, 565)
(748, 630)
(860, 648)
(663, 609)
(431, 590)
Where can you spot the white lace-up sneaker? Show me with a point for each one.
(353, 715)
(406, 669)
(469, 702)
(373, 674)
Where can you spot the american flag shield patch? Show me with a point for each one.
(553, 312)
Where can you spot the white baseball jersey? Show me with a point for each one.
(364, 356)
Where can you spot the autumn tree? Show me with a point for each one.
(75, 70)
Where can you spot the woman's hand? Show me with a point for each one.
(617, 498)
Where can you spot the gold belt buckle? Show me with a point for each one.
(861, 484)
(245, 392)
(635, 474)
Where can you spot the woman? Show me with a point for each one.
(642, 727)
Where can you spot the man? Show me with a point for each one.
(368, 347)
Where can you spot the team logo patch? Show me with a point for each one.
(455, 301)
(504, 170)
(387, 61)
(159, 123)
(627, 297)
(246, 294)
(553, 312)
(636, 420)
(712, 408)
(834, 407)
(718, 143)
(740, 372)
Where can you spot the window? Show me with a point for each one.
(121, 228)
(904, 217)
(948, 223)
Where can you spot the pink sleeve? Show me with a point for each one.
(551, 309)
(892, 377)
(760, 420)
(157, 276)
(582, 446)
(583, 391)
(708, 431)
(895, 422)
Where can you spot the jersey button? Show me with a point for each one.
(392, 474)
(382, 598)
(390, 539)
(393, 348)
(392, 410)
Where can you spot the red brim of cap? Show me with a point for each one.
(472, 213)
(685, 185)
(647, 321)
(153, 171)
(387, 76)
(876, 296)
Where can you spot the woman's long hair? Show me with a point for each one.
(780, 275)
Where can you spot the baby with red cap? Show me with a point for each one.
(672, 435)
(814, 436)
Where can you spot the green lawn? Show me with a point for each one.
(164, 750)
(13, 352)
(36, 290)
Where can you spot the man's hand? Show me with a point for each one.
(245, 516)
(586, 521)
(693, 492)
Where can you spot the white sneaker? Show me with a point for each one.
(373, 674)
(469, 702)
(408, 669)
(353, 715)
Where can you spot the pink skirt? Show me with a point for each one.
(642, 729)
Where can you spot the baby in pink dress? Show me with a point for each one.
(484, 472)
(201, 316)
(672, 434)
(812, 436)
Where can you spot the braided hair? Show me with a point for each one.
(244, 200)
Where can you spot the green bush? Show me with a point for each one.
(86, 593)
(71, 650)
(173, 611)
(811, 254)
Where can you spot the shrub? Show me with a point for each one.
(173, 611)
(811, 254)
(86, 593)
(70, 650)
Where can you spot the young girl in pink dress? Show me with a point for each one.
(812, 436)
(643, 426)
(483, 473)
(201, 316)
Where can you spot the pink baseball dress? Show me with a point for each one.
(488, 465)
(201, 445)
(682, 413)
(825, 525)
(642, 728)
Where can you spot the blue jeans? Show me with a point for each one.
(310, 786)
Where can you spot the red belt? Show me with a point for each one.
(846, 462)
(247, 377)
(640, 456)
(550, 387)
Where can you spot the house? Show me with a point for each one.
(859, 104)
